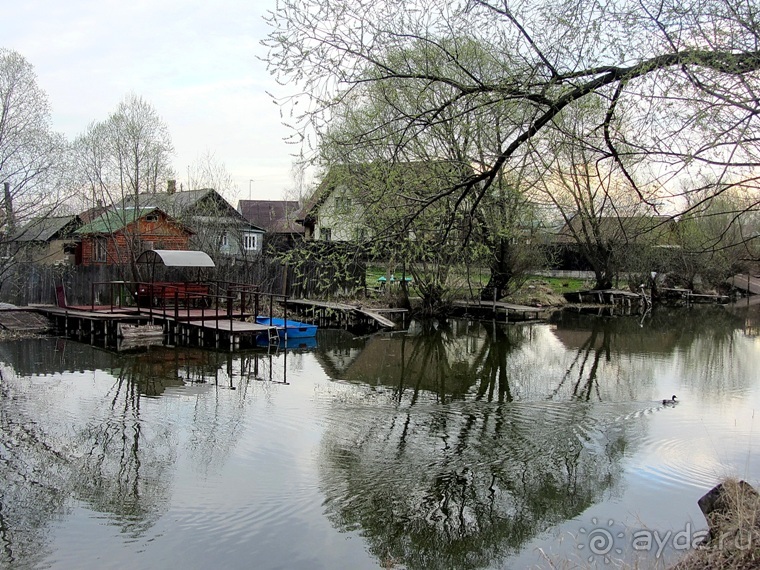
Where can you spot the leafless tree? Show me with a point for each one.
(32, 157)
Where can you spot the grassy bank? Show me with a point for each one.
(536, 290)
(735, 530)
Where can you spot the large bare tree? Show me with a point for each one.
(674, 86)
(32, 156)
(125, 156)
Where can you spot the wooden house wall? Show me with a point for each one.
(162, 233)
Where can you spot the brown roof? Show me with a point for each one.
(88, 215)
(275, 216)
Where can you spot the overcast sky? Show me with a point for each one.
(195, 62)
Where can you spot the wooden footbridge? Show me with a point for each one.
(499, 310)
(344, 315)
(744, 282)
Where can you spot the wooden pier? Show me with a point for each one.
(218, 314)
(499, 310)
(343, 315)
(607, 297)
(193, 327)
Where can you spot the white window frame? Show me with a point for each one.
(100, 250)
(250, 241)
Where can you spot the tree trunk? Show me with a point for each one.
(502, 272)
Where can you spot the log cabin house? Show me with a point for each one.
(119, 236)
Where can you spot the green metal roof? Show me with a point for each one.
(114, 220)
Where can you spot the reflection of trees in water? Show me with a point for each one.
(36, 477)
(462, 485)
(111, 463)
(494, 363)
(124, 465)
(582, 375)
(491, 365)
(449, 360)
(700, 342)
(92, 443)
(451, 472)
(710, 360)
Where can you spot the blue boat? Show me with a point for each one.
(294, 329)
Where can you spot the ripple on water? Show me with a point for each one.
(691, 451)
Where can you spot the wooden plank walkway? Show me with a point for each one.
(22, 321)
(499, 305)
(493, 309)
(184, 314)
(748, 283)
(227, 325)
(383, 321)
(347, 309)
(116, 314)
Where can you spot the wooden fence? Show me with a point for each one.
(28, 283)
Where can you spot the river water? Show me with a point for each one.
(466, 445)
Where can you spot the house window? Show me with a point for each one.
(99, 249)
(224, 240)
(151, 218)
(249, 242)
(326, 234)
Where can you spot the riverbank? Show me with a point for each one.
(732, 510)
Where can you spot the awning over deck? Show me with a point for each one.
(176, 258)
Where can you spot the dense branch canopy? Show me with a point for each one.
(678, 83)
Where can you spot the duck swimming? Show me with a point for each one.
(672, 401)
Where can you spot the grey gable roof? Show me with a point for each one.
(189, 205)
(45, 229)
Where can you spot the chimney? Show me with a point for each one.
(171, 187)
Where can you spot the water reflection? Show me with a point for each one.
(448, 446)
(449, 360)
(465, 484)
(699, 342)
(516, 448)
(463, 487)
(81, 439)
